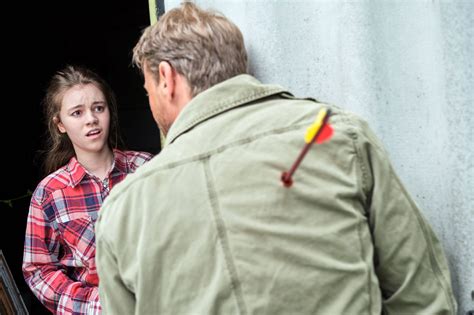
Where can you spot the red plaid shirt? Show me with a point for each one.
(58, 262)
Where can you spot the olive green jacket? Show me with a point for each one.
(206, 227)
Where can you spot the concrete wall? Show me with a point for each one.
(405, 66)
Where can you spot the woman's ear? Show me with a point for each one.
(60, 125)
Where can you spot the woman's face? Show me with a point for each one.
(85, 118)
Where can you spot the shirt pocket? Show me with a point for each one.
(79, 236)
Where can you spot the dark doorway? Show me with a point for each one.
(43, 37)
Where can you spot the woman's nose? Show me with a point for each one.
(91, 117)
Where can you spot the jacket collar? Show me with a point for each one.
(234, 92)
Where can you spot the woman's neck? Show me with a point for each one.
(98, 164)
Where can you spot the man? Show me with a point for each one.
(208, 227)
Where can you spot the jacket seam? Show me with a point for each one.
(433, 261)
(364, 184)
(231, 145)
(364, 187)
(223, 239)
(352, 133)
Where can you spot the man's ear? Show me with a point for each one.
(60, 125)
(167, 81)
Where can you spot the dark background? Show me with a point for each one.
(38, 39)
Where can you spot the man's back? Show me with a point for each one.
(207, 226)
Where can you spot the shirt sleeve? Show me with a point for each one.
(409, 261)
(115, 297)
(44, 273)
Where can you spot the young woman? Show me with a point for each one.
(84, 164)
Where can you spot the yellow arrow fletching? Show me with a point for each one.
(314, 128)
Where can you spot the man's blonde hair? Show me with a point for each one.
(203, 46)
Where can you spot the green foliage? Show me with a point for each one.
(9, 202)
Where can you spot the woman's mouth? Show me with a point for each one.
(93, 132)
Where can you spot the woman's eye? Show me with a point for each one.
(99, 109)
(76, 113)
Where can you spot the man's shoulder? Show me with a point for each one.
(348, 124)
(308, 109)
(348, 120)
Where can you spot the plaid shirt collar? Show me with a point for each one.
(77, 171)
